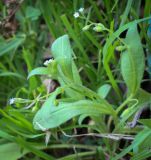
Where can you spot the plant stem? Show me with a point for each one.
(124, 103)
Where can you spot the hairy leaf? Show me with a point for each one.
(39, 71)
(62, 52)
(11, 44)
(132, 60)
(51, 115)
(104, 90)
(11, 151)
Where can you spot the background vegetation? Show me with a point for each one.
(92, 97)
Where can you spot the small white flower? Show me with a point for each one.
(76, 15)
(12, 101)
(48, 62)
(81, 10)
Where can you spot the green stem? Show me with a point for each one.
(124, 103)
(87, 147)
(76, 155)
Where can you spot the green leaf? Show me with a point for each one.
(101, 153)
(51, 116)
(62, 52)
(6, 74)
(126, 12)
(45, 7)
(104, 90)
(33, 83)
(81, 118)
(7, 136)
(139, 139)
(39, 71)
(32, 13)
(116, 34)
(76, 75)
(33, 148)
(107, 54)
(11, 44)
(132, 60)
(142, 155)
(11, 151)
(61, 49)
(146, 122)
(144, 98)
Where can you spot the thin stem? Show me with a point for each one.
(103, 135)
(123, 104)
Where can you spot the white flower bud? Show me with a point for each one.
(85, 28)
(120, 48)
(81, 10)
(99, 27)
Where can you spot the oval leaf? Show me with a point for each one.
(104, 90)
(62, 52)
(51, 116)
(132, 60)
(38, 71)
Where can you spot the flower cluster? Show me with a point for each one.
(77, 14)
(47, 62)
(12, 101)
